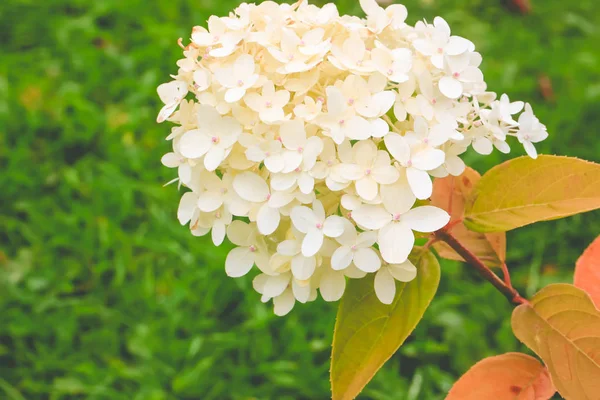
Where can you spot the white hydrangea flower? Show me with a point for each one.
(306, 137)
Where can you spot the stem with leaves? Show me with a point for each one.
(504, 286)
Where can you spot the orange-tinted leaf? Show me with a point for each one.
(562, 326)
(506, 377)
(587, 271)
(450, 193)
(523, 191)
(368, 332)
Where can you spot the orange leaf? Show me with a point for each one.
(587, 271)
(562, 326)
(506, 377)
(449, 193)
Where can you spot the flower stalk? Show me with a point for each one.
(503, 286)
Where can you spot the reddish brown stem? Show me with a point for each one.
(506, 289)
(506, 275)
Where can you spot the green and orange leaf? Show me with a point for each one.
(523, 191)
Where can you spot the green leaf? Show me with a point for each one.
(368, 332)
(562, 326)
(523, 191)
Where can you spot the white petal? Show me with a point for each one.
(303, 267)
(185, 173)
(259, 282)
(306, 183)
(456, 45)
(303, 218)
(319, 210)
(187, 206)
(367, 188)
(170, 160)
(194, 144)
(385, 286)
(396, 241)
(332, 285)
(235, 94)
(366, 239)
(274, 163)
(530, 149)
(251, 187)
(471, 74)
(398, 197)
(312, 242)
(428, 158)
(280, 199)
(404, 272)
(397, 146)
(371, 216)
(341, 258)
(283, 182)
(351, 172)
(239, 261)
(386, 175)
(483, 145)
(284, 303)
(214, 157)
(275, 285)
(218, 233)
(450, 87)
(420, 183)
(365, 152)
(367, 260)
(301, 293)
(240, 233)
(288, 247)
(333, 226)
(379, 128)
(354, 273)
(455, 165)
(426, 218)
(172, 91)
(292, 134)
(267, 219)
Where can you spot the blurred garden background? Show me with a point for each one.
(104, 296)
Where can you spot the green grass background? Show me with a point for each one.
(104, 296)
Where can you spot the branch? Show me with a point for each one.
(507, 290)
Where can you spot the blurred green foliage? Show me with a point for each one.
(104, 296)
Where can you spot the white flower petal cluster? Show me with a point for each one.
(308, 138)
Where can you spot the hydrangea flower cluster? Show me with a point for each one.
(310, 136)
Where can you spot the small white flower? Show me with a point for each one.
(417, 160)
(396, 226)
(237, 78)
(316, 226)
(459, 72)
(438, 43)
(386, 277)
(371, 169)
(171, 94)
(252, 250)
(269, 105)
(213, 139)
(394, 64)
(356, 248)
(530, 131)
